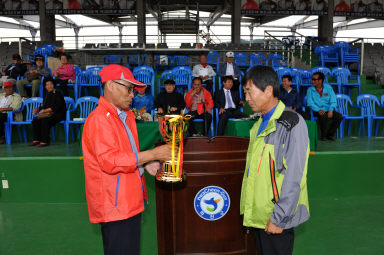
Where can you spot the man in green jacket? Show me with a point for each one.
(274, 196)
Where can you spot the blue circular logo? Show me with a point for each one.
(212, 203)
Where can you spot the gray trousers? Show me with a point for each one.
(20, 84)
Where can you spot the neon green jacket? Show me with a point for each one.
(275, 179)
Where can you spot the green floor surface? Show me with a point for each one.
(344, 226)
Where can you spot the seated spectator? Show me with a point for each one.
(51, 113)
(230, 69)
(142, 102)
(64, 74)
(33, 76)
(17, 68)
(169, 101)
(228, 102)
(290, 97)
(199, 103)
(9, 101)
(205, 72)
(322, 100)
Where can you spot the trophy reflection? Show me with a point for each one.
(172, 129)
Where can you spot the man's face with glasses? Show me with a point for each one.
(123, 94)
(316, 81)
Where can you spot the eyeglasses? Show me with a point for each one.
(130, 88)
(315, 79)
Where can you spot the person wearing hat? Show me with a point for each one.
(33, 76)
(230, 69)
(17, 68)
(49, 114)
(9, 101)
(114, 165)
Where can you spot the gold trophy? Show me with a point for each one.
(172, 129)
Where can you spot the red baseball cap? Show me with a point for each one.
(118, 72)
(8, 84)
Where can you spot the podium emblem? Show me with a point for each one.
(212, 203)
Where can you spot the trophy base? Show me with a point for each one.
(166, 174)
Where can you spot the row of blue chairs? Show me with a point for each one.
(84, 106)
(302, 79)
(367, 104)
(132, 60)
(341, 54)
(45, 51)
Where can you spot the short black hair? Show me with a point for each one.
(226, 78)
(287, 76)
(47, 79)
(169, 81)
(197, 78)
(320, 74)
(262, 77)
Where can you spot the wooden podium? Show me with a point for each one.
(220, 162)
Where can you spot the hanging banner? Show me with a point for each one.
(355, 8)
(107, 7)
(19, 7)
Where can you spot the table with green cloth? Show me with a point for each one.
(242, 127)
(148, 134)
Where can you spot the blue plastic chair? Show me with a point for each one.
(182, 76)
(210, 132)
(277, 60)
(241, 60)
(69, 104)
(343, 104)
(345, 79)
(213, 59)
(89, 78)
(257, 60)
(136, 60)
(327, 54)
(85, 105)
(113, 59)
(159, 65)
(325, 70)
(368, 103)
(180, 60)
(166, 75)
(305, 82)
(29, 105)
(348, 55)
(145, 74)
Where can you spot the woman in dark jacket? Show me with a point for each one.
(51, 113)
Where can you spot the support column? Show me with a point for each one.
(77, 30)
(325, 25)
(141, 32)
(236, 19)
(47, 24)
(33, 33)
(120, 36)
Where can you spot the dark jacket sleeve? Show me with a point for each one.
(236, 98)
(58, 105)
(222, 70)
(219, 102)
(181, 102)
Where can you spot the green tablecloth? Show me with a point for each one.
(242, 127)
(148, 135)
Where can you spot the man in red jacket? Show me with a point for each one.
(200, 104)
(114, 165)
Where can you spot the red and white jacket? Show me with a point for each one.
(114, 188)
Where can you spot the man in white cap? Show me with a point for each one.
(114, 166)
(230, 69)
